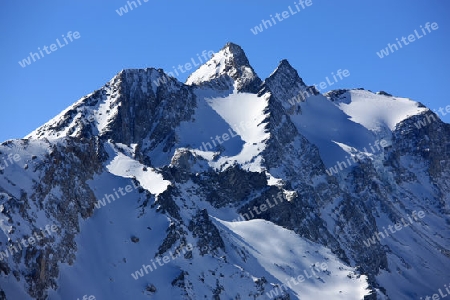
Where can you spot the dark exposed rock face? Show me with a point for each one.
(430, 146)
(71, 160)
(148, 114)
(208, 236)
(232, 186)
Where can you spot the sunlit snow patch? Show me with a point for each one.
(286, 255)
(244, 113)
(376, 111)
(149, 179)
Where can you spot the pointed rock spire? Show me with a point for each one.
(287, 74)
(285, 83)
(229, 68)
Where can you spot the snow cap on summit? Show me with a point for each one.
(230, 68)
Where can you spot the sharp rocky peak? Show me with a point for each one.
(237, 53)
(284, 67)
(285, 82)
(227, 69)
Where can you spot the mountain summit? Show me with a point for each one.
(227, 67)
(227, 187)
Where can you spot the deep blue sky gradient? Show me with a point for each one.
(325, 37)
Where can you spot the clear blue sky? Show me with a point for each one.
(320, 39)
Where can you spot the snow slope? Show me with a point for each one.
(354, 120)
(245, 114)
(125, 166)
(377, 112)
(325, 125)
(285, 255)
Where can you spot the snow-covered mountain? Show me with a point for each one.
(227, 187)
